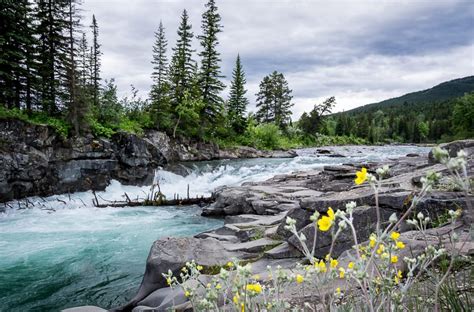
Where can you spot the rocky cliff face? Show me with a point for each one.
(35, 160)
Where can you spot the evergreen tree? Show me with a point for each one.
(17, 63)
(237, 103)
(210, 74)
(274, 100)
(160, 89)
(77, 102)
(182, 65)
(265, 113)
(95, 62)
(83, 62)
(313, 122)
(54, 47)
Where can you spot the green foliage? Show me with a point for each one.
(274, 100)
(99, 130)
(463, 116)
(39, 118)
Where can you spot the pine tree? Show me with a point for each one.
(53, 53)
(160, 89)
(237, 103)
(77, 102)
(282, 100)
(210, 73)
(95, 62)
(17, 64)
(274, 100)
(182, 64)
(265, 113)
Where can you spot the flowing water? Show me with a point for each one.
(61, 252)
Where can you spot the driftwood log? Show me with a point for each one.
(201, 201)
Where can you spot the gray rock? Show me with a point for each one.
(172, 254)
(84, 309)
(283, 251)
(365, 220)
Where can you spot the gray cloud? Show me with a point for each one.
(358, 51)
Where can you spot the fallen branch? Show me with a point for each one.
(161, 202)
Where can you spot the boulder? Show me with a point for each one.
(172, 254)
(365, 219)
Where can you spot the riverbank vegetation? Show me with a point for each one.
(51, 74)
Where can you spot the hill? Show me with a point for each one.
(444, 91)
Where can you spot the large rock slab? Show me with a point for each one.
(172, 254)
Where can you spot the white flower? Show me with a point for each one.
(420, 215)
(314, 216)
(302, 237)
(342, 224)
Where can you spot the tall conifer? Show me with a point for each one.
(237, 103)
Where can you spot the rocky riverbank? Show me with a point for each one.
(255, 216)
(36, 161)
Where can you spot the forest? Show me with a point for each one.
(51, 74)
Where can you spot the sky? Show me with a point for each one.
(360, 51)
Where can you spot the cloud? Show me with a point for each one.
(358, 51)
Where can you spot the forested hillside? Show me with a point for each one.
(441, 113)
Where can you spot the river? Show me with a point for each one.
(60, 251)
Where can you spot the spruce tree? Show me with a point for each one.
(160, 89)
(237, 103)
(17, 64)
(210, 74)
(53, 53)
(182, 64)
(95, 62)
(274, 100)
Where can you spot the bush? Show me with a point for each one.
(37, 118)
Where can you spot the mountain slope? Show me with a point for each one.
(442, 92)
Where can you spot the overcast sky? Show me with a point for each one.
(358, 51)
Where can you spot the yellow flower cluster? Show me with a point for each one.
(325, 222)
(255, 288)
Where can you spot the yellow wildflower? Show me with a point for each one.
(384, 255)
(342, 272)
(324, 224)
(322, 266)
(399, 274)
(363, 257)
(242, 307)
(394, 259)
(397, 277)
(373, 240)
(236, 298)
(187, 294)
(338, 290)
(256, 288)
(218, 286)
(168, 281)
(381, 249)
(230, 264)
(361, 176)
(350, 265)
(199, 267)
(400, 245)
(395, 236)
(299, 278)
(208, 285)
(331, 214)
(334, 263)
